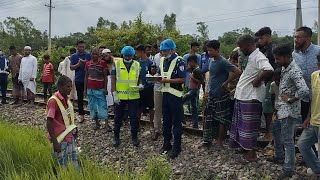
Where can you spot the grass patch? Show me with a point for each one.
(25, 153)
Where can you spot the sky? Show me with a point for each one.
(70, 16)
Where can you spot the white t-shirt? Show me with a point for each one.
(257, 63)
(274, 89)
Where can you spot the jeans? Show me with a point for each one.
(283, 136)
(307, 139)
(80, 90)
(172, 119)
(119, 109)
(192, 96)
(3, 85)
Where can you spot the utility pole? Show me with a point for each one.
(298, 15)
(49, 40)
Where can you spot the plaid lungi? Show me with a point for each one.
(217, 111)
(68, 154)
(245, 124)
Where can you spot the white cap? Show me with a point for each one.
(106, 51)
(27, 48)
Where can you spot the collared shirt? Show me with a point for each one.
(55, 113)
(291, 84)
(257, 63)
(204, 62)
(4, 65)
(156, 61)
(80, 72)
(315, 99)
(307, 61)
(15, 62)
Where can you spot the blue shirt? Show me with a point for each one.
(145, 67)
(219, 72)
(185, 58)
(307, 62)
(80, 72)
(204, 62)
(179, 70)
(4, 64)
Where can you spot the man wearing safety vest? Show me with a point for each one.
(60, 124)
(173, 73)
(125, 90)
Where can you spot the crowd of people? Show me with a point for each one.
(259, 78)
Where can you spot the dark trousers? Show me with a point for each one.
(47, 88)
(80, 90)
(192, 96)
(4, 84)
(172, 109)
(119, 109)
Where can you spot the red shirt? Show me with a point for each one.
(48, 73)
(95, 74)
(55, 113)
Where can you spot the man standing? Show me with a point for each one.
(14, 64)
(249, 95)
(305, 55)
(4, 71)
(149, 52)
(69, 73)
(146, 95)
(217, 111)
(78, 61)
(173, 73)
(265, 46)
(125, 77)
(28, 74)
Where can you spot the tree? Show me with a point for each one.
(202, 28)
(169, 22)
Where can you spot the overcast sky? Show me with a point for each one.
(70, 16)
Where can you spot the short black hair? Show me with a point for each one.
(306, 30)
(46, 56)
(246, 39)
(80, 42)
(148, 46)
(102, 47)
(72, 50)
(263, 31)
(140, 47)
(12, 47)
(194, 44)
(215, 44)
(63, 80)
(282, 50)
(192, 58)
(62, 57)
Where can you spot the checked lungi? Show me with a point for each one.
(217, 111)
(245, 124)
(68, 154)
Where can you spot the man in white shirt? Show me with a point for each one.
(249, 95)
(68, 72)
(28, 74)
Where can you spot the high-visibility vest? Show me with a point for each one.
(68, 117)
(166, 87)
(125, 80)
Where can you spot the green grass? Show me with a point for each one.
(25, 153)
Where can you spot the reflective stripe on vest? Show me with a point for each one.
(126, 79)
(68, 118)
(166, 87)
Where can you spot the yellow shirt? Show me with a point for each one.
(315, 99)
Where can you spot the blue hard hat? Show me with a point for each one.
(127, 50)
(167, 44)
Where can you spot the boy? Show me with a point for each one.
(60, 124)
(292, 88)
(310, 134)
(47, 77)
(196, 79)
(95, 86)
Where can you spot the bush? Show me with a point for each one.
(25, 153)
